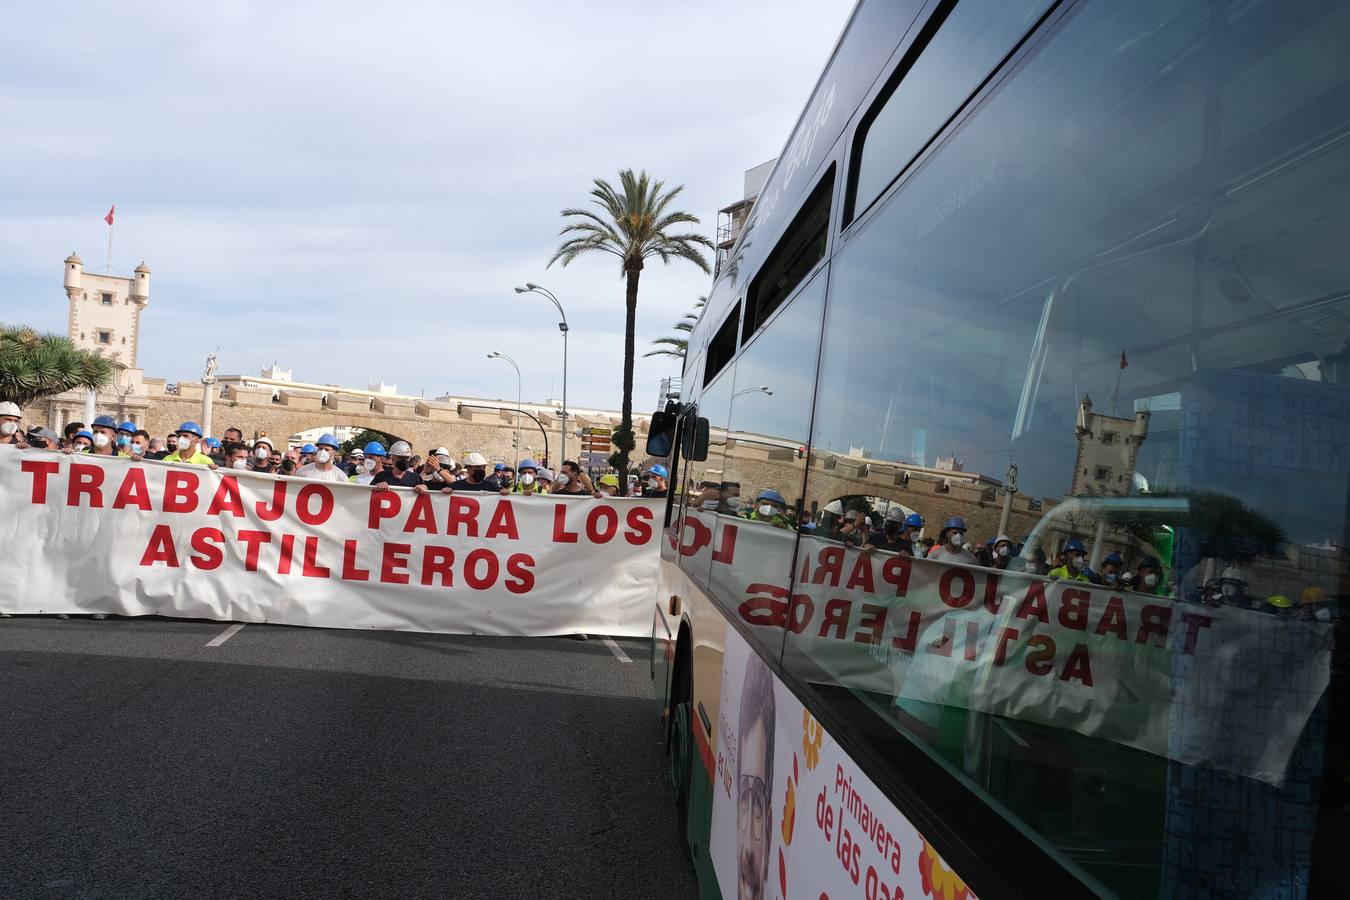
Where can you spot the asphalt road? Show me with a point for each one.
(136, 761)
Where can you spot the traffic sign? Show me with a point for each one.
(595, 459)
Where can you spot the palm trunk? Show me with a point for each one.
(629, 336)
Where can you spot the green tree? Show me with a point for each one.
(635, 223)
(33, 365)
(677, 345)
(361, 438)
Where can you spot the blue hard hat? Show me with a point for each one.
(955, 524)
(105, 422)
(375, 448)
(770, 494)
(85, 434)
(128, 427)
(659, 470)
(328, 440)
(1074, 546)
(528, 464)
(913, 520)
(499, 467)
(212, 443)
(989, 543)
(1150, 562)
(1114, 557)
(191, 428)
(309, 448)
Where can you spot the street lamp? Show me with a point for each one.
(495, 355)
(532, 288)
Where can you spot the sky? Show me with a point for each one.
(353, 192)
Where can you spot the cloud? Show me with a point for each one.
(354, 192)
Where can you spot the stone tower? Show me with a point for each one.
(105, 310)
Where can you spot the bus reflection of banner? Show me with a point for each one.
(921, 634)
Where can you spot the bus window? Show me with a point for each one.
(699, 474)
(1120, 288)
(968, 46)
(798, 252)
(764, 463)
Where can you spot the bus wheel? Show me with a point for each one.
(680, 758)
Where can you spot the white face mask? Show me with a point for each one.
(652, 483)
(710, 504)
(733, 503)
(240, 464)
(137, 449)
(562, 480)
(101, 440)
(1109, 577)
(1229, 590)
(8, 428)
(956, 538)
(766, 509)
(183, 443)
(1150, 580)
(527, 479)
(369, 465)
(1005, 551)
(262, 453)
(323, 456)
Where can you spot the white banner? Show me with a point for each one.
(85, 534)
(793, 816)
(1181, 680)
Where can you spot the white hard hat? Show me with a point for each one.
(475, 459)
(1233, 573)
(401, 448)
(895, 514)
(835, 507)
(440, 451)
(1002, 539)
(9, 408)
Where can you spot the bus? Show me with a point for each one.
(1007, 543)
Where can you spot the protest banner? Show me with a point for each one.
(1184, 681)
(89, 534)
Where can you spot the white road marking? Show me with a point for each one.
(617, 650)
(225, 635)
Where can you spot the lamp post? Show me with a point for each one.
(495, 355)
(531, 288)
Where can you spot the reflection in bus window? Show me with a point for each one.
(765, 452)
(1107, 324)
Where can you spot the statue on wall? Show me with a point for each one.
(211, 365)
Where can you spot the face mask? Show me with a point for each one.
(137, 449)
(733, 503)
(323, 456)
(81, 446)
(101, 440)
(563, 480)
(400, 462)
(710, 505)
(262, 453)
(368, 465)
(8, 428)
(1150, 580)
(765, 509)
(892, 528)
(1076, 561)
(651, 483)
(1005, 551)
(123, 441)
(1229, 590)
(527, 479)
(1109, 577)
(608, 491)
(183, 443)
(956, 538)
(477, 474)
(241, 464)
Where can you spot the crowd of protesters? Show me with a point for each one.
(374, 464)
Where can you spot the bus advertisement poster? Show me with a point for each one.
(793, 816)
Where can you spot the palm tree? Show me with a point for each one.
(33, 366)
(635, 225)
(674, 345)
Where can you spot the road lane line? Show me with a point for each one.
(226, 634)
(617, 650)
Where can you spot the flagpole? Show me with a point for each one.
(110, 237)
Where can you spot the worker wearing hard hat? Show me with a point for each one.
(528, 482)
(1148, 576)
(397, 472)
(658, 481)
(607, 485)
(1002, 552)
(324, 467)
(476, 478)
(951, 545)
(372, 462)
(771, 508)
(1075, 563)
(104, 431)
(894, 535)
(10, 416)
(263, 451)
(187, 442)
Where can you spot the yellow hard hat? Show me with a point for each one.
(1312, 594)
(1280, 600)
(610, 479)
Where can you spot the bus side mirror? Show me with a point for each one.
(699, 452)
(661, 434)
